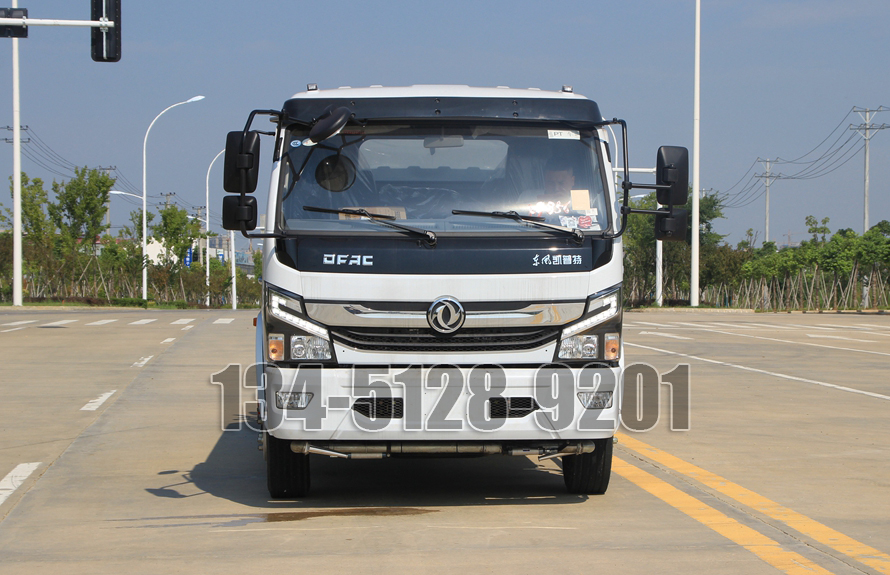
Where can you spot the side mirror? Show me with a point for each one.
(671, 227)
(672, 169)
(329, 124)
(235, 213)
(242, 154)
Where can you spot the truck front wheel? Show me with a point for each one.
(589, 473)
(287, 473)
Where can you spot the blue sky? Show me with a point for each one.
(778, 78)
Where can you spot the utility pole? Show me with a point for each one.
(768, 178)
(868, 130)
(108, 171)
(167, 199)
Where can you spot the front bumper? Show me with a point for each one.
(442, 403)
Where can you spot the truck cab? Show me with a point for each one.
(442, 276)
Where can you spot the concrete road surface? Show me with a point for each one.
(113, 459)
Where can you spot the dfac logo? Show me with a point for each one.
(446, 315)
(347, 260)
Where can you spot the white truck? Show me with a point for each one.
(442, 275)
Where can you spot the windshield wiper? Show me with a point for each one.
(577, 234)
(428, 236)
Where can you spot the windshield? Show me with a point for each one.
(418, 174)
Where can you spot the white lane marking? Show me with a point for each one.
(873, 325)
(60, 322)
(13, 329)
(94, 404)
(799, 342)
(102, 322)
(770, 373)
(697, 325)
(835, 326)
(21, 322)
(169, 340)
(725, 325)
(811, 327)
(15, 478)
(142, 321)
(650, 323)
(183, 321)
(142, 361)
(770, 326)
(225, 320)
(664, 334)
(826, 336)
(188, 327)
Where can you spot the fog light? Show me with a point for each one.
(612, 346)
(309, 347)
(276, 347)
(578, 347)
(292, 399)
(595, 399)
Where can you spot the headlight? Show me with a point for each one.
(309, 347)
(597, 335)
(307, 340)
(603, 308)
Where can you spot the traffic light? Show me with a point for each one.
(13, 31)
(106, 43)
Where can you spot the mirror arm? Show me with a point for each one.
(626, 185)
(254, 113)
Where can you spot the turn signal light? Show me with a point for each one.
(276, 347)
(612, 346)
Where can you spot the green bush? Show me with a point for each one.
(130, 302)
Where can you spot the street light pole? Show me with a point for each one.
(207, 229)
(17, 177)
(145, 195)
(696, 155)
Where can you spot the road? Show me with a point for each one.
(113, 459)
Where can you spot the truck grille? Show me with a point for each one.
(424, 340)
(510, 407)
(382, 407)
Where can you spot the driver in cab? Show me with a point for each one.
(559, 197)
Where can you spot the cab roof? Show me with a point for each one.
(444, 101)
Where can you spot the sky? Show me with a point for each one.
(779, 78)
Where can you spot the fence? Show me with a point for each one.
(805, 290)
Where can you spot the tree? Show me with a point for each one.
(38, 236)
(814, 228)
(79, 211)
(176, 232)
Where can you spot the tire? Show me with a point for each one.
(287, 473)
(589, 473)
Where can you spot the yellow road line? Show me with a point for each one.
(822, 533)
(757, 543)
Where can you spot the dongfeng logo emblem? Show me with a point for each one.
(446, 315)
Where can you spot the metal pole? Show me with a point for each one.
(696, 140)
(867, 138)
(232, 253)
(145, 195)
(16, 177)
(766, 226)
(44, 22)
(659, 278)
(207, 228)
